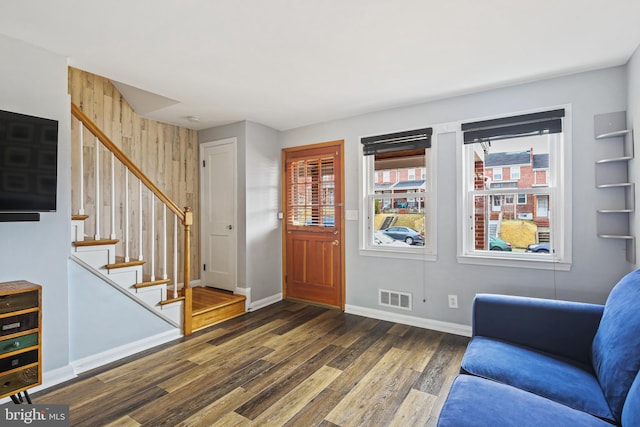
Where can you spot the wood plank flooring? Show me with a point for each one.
(289, 364)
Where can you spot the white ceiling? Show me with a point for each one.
(290, 63)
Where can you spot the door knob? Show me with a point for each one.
(335, 242)
(229, 227)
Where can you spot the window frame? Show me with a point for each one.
(514, 173)
(497, 174)
(560, 190)
(426, 252)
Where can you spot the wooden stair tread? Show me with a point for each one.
(95, 242)
(121, 263)
(78, 217)
(171, 300)
(146, 282)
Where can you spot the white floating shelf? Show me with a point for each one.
(615, 210)
(619, 184)
(615, 159)
(613, 134)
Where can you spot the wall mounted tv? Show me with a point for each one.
(28, 163)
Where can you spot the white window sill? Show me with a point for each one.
(525, 261)
(416, 254)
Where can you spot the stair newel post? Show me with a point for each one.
(126, 214)
(164, 242)
(81, 168)
(140, 257)
(187, 222)
(153, 237)
(97, 170)
(113, 196)
(175, 256)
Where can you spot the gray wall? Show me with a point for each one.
(633, 121)
(597, 263)
(102, 316)
(33, 81)
(259, 250)
(264, 249)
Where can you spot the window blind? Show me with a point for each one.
(514, 126)
(399, 141)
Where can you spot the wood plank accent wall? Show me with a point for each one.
(167, 154)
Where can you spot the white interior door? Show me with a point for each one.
(218, 205)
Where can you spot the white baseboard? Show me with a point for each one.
(97, 360)
(256, 305)
(436, 325)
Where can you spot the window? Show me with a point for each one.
(529, 146)
(398, 211)
(497, 174)
(311, 192)
(497, 203)
(514, 172)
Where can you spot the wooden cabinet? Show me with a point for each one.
(20, 337)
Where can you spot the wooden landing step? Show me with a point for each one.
(211, 306)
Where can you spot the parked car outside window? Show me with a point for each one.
(496, 244)
(406, 234)
(541, 248)
(381, 239)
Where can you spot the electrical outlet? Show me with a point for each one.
(453, 301)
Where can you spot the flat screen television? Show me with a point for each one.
(28, 163)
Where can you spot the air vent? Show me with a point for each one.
(394, 299)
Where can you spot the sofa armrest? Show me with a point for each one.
(562, 328)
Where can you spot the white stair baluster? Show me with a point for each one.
(97, 168)
(140, 257)
(126, 215)
(81, 169)
(153, 237)
(175, 256)
(164, 242)
(113, 197)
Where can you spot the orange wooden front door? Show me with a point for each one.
(313, 238)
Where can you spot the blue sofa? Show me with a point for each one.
(536, 362)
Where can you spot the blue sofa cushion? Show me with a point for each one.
(616, 346)
(563, 328)
(474, 401)
(570, 384)
(631, 409)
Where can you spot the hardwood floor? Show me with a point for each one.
(289, 364)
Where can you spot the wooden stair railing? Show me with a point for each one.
(184, 216)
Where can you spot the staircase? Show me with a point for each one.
(145, 276)
(388, 222)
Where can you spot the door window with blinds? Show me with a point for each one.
(399, 187)
(514, 200)
(310, 199)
